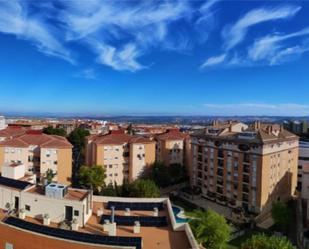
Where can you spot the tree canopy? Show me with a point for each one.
(281, 214)
(77, 138)
(54, 131)
(92, 177)
(144, 188)
(210, 229)
(165, 176)
(262, 241)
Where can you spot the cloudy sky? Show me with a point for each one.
(154, 57)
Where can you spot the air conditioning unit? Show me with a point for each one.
(57, 191)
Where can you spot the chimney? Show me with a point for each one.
(257, 125)
(215, 122)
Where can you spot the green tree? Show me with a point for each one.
(49, 175)
(54, 131)
(92, 177)
(262, 241)
(109, 190)
(210, 229)
(177, 173)
(125, 189)
(159, 174)
(77, 138)
(144, 188)
(130, 129)
(281, 214)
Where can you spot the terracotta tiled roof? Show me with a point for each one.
(118, 139)
(262, 133)
(172, 135)
(39, 139)
(12, 132)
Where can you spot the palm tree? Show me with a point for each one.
(49, 175)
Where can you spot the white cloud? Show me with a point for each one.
(235, 34)
(272, 48)
(119, 59)
(284, 109)
(213, 61)
(124, 29)
(88, 73)
(14, 20)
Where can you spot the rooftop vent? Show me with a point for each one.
(57, 191)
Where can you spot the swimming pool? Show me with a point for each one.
(177, 213)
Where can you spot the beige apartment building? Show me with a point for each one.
(124, 157)
(171, 147)
(245, 166)
(39, 152)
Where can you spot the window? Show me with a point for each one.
(55, 162)
(27, 207)
(76, 213)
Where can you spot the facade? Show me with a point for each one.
(74, 204)
(303, 170)
(39, 152)
(296, 126)
(124, 157)
(171, 147)
(245, 166)
(2, 123)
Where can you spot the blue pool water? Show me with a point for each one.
(176, 211)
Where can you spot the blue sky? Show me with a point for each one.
(154, 57)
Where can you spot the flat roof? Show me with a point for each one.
(15, 184)
(73, 194)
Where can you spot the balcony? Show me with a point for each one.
(200, 149)
(126, 154)
(219, 191)
(246, 179)
(220, 172)
(220, 163)
(246, 169)
(220, 181)
(245, 198)
(220, 153)
(246, 158)
(245, 189)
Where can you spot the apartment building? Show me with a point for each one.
(245, 166)
(171, 147)
(296, 126)
(2, 123)
(123, 156)
(303, 162)
(39, 152)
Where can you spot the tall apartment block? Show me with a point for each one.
(171, 147)
(37, 152)
(245, 166)
(124, 157)
(2, 123)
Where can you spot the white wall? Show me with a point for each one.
(41, 204)
(13, 172)
(2, 123)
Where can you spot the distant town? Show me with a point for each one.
(116, 183)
